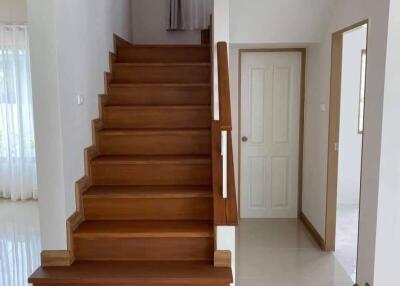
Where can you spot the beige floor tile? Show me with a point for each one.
(281, 252)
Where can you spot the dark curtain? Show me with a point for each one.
(175, 15)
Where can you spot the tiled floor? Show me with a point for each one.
(346, 238)
(281, 252)
(19, 241)
(269, 252)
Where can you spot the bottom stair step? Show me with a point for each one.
(133, 273)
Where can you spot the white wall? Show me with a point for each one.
(388, 229)
(345, 14)
(13, 11)
(47, 118)
(284, 21)
(350, 141)
(70, 41)
(220, 33)
(149, 24)
(85, 37)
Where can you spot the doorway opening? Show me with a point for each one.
(348, 76)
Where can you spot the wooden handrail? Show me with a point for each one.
(225, 209)
(223, 87)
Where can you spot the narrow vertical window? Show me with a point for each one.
(362, 92)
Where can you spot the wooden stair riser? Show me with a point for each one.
(148, 209)
(154, 143)
(144, 249)
(151, 174)
(160, 54)
(159, 95)
(129, 284)
(142, 118)
(137, 73)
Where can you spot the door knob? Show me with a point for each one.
(244, 139)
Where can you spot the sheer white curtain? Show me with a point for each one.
(189, 14)
(17, 144)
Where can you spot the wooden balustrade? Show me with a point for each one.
(225, 209)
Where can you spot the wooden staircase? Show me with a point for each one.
(145, 208)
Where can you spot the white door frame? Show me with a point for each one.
(303, 53)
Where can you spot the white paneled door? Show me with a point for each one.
(270, 123)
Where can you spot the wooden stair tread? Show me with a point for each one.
(166, 46)
(166, 131)
(148, 192)
(163, 64)
(159, 93)
(144, 229)
(157, 116)
(160, 85)
(161, 72)
(159, 107)
(124, 272)
(162, 159)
